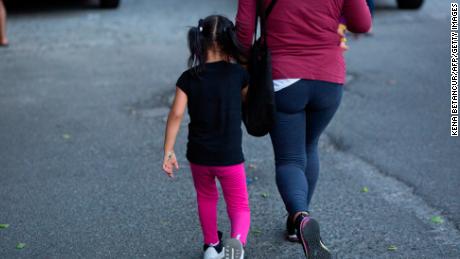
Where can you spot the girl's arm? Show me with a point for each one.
(244, 93)
(172, 128)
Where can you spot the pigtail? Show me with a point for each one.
(234, 47)
(197, 53)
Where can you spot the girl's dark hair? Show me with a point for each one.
(215, 31)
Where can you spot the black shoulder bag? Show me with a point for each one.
(259, 108)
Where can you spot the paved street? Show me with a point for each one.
(84, 94)
(396, 115)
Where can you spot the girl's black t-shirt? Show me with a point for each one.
(214, 106)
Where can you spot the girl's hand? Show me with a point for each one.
(170, 163)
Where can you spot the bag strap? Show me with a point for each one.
(270, 8)
(263, 15)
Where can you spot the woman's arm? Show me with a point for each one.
(245, 23)
(172, 128)
(357, 16)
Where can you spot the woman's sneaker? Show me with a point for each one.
(291, 232)
(233, 249)
(309, 236)
(214, 251)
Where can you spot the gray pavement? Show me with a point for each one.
(84, 95)
(396, 115)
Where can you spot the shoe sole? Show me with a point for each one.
(233, 249)
(311, 241)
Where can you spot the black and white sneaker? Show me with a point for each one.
(309, 236)
(214, 251)
(233, 249)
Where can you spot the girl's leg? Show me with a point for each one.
(233, 182)
(321, 109)
(3, 38)
(207, 198)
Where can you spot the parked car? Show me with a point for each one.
(109, 3)
(409, 4)
(102, 3)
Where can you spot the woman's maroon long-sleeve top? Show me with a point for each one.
(302, 35)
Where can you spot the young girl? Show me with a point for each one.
(213, 89)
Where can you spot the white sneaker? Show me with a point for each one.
(211, 253)
(233, 249)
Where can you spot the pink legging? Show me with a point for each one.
(233, 181)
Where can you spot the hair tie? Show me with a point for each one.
(231, 27)
(200, 25)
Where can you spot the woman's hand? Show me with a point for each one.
(170, 163)
(341, 30)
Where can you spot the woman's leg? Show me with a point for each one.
(371, 5)
(323, 104)
(3, 38)
(288, 137)
(233, 182)
(207, 198)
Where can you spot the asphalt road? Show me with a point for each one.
(84, 96)
(397, 113)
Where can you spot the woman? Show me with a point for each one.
(3, 38)
(308, 72)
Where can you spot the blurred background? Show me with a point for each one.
(85, 88)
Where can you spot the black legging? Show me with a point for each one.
(304, 110)
(371, 5)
